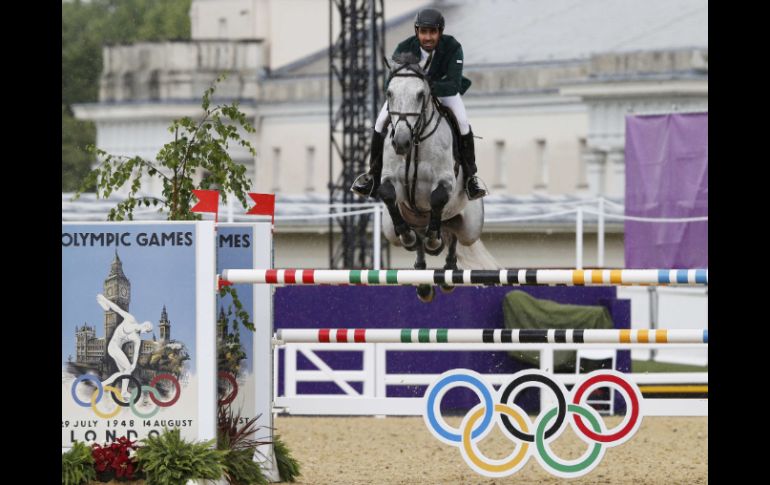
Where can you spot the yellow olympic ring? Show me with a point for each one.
(93, 402)
(479, 462)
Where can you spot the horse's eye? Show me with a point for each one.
(389, 94)
(420, 94)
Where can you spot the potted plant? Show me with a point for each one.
(115, 461)
(168, 459)
(77, 465)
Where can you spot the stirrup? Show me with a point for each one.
(363, 185)
(482, 188)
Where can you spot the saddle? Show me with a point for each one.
(455, 127)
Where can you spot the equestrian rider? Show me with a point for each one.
(441, 56)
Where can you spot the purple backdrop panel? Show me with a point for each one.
(667, 176)
(398, 307)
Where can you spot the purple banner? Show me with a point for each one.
(667, 176)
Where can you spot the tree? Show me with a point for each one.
(200, 148)
(86, 27)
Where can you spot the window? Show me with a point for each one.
(541, 166)
(276, 169)
(501, 176)
(582, 183)
(309, 169)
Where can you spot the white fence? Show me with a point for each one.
(375, 378)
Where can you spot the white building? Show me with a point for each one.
(552, 82)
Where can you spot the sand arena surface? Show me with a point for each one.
(401, 450)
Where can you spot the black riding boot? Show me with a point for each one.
(468, 155)
(367, 184)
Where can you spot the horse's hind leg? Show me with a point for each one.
(451, 260)
(438, 199)
(424, 292)
(406, 234)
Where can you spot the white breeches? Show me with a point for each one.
(455, 103)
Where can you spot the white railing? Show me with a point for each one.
(373, 400)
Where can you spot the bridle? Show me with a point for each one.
(415, 132)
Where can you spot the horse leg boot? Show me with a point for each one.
(367, 184)
(438, 199)
(451, 261)
(468, 155)
(406, 234)
(424, 292)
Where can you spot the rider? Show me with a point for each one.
(441, 56)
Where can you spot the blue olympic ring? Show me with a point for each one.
(489, 405)
(86, 377)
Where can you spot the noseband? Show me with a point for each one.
(417, 130)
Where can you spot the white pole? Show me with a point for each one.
(600, 235)
(377, 232)
(230, 208)
(579, 239)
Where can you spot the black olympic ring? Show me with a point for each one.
(130, 379)
(559, 396)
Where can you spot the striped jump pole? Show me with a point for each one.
(468, 277)
(491, 336)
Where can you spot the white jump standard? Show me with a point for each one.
(470, 277)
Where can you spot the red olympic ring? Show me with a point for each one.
(174, 381)
(606, 438)
(231, 379)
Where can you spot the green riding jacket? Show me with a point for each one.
(446, 69)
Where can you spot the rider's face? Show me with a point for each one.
(428, 37)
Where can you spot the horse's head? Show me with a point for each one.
(408, 96)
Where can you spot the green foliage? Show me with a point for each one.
(77, 465)
(167, 459)
(236, 436)
(199, 147)
(86, 27)
(241, 314)
(288, 467)
(76, 135)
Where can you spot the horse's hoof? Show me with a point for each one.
(437, 250)
(432, 244)
(425, 293)
(447, 288)
(409, 240)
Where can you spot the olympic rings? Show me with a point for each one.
(99, 413)
(137, 384)
(233, 385)
(548, 426)
(152, 413)
(631, 421)
(450, 379)
(582, 465)
(117, 395)
(528, 376)
(508, 465)
(86, 377)
(174, 381)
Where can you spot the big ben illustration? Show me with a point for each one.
(117, 288)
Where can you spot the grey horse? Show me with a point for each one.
(428, 210)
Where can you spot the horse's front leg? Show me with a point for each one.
(406, 234)
(438, 199)
(424, 292)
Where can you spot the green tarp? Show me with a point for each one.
(520, 310)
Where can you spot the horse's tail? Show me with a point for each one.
(476, 256)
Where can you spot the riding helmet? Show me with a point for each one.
(429, 17)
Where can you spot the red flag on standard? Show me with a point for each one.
(265, 205)
(209, 201)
